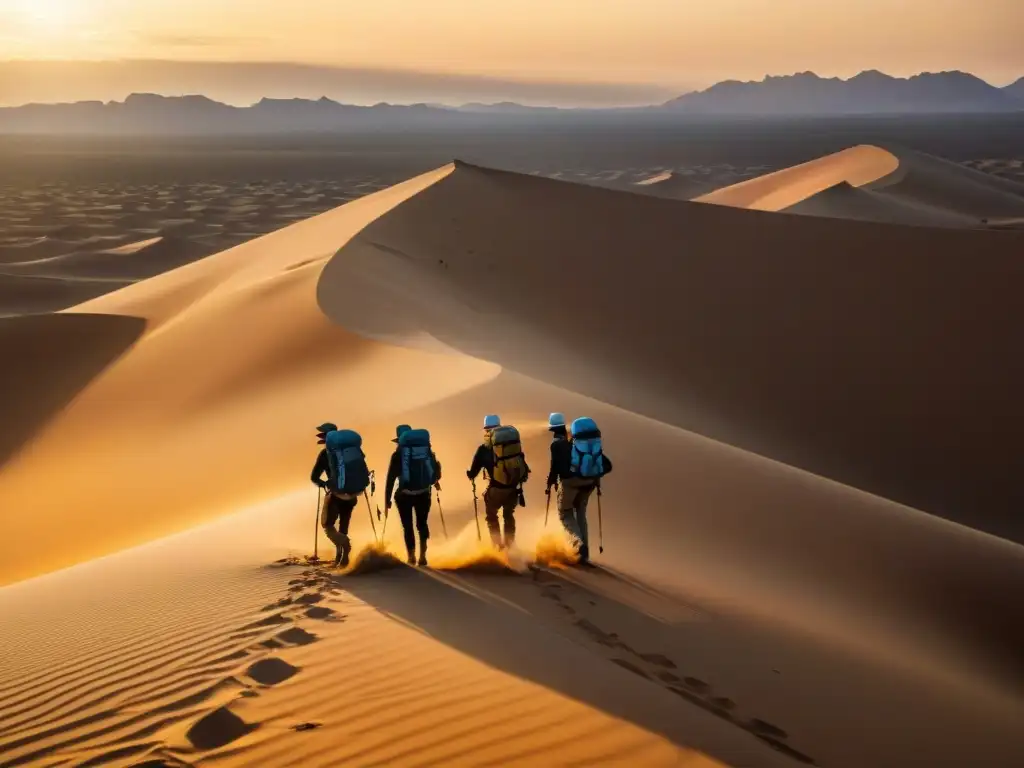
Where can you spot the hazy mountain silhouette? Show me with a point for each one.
(146, 113)
(806, 93)
(870, 92)
(1016, 89)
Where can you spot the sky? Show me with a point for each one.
(570, 52)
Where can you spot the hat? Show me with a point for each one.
(400, 430)
(322, 430)
(492, 421)
(556, 420)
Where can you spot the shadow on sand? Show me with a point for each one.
(556, 627)
(54, 357)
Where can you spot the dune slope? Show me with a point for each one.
(893, 185)
(745, 592)
(779, 190)
(824, 344)
(191, 391)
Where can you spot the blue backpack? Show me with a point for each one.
(587, 459)
(417, 461)
(348, 471)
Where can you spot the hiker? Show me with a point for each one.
(577, 466)
(501, 457)
(416, 470)
(344, 464)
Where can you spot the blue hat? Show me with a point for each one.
(556, 420)
(492, 421)
(400, 430)
(327, 427)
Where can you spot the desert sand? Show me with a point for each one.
(872, 183)
(813, 422)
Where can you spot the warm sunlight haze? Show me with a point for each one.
(511, 383)
(664, 44)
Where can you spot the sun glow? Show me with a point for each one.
(49, 14)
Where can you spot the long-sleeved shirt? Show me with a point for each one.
(395, 470)
(561, 458)
(483, 460)
(561, 461)
(322, 467)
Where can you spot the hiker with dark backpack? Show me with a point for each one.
(501, 457)
(344, 463)
(561, 451)
(416, 470)
(587, 464)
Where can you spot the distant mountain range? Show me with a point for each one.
(871, 92)
(804, 94)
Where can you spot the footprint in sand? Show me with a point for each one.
(217, 729)
(282, 603)
(296, 636)
(309, 599)
(306, 726)
(323, 613)
(269, 621)
(271, 671)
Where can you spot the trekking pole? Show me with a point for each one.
(547, 506)
(369, 511)
(600, 523)
(316, 525)
(441, 512)
(476, 514)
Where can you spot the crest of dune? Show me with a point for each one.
(777, 191)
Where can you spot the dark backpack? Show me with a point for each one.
(348, 471)
(587, 460)
(416, 460)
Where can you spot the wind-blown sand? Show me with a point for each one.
(765, 614)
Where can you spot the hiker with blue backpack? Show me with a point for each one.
(578, 463)
(500, 456)
(343, 462)
(416, 470)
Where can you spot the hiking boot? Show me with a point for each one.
(584, 555)
(411, 559)
(423, 555)
(338, 558)
(343, 560)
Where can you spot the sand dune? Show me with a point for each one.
(876, 184)
(746, 593)
(675, 185)
(752, 362)
(780, 190)
(77, 234)
(938, 183)
(128, 263)
(845, 201)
